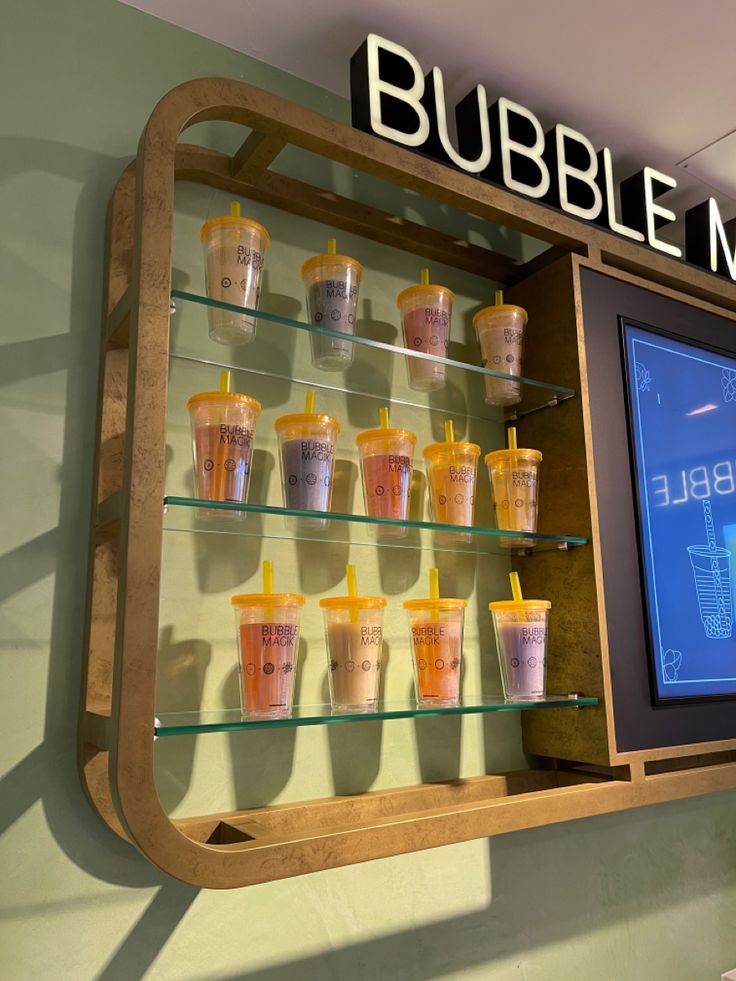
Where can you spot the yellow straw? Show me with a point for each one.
(512, 437)
(331, 246)
(267, 576)
(434, 584)
(499, 297)
(424, 277)
(309, 402)
(225, 381)
(352, 589)
(434, 592)
(234, 209)
(383, 417)
(516, 587)
(449, 431)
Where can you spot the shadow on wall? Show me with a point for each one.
(549, 885)
(48, 773)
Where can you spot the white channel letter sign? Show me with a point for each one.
(505, 144)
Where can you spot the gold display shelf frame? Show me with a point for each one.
(118, 688)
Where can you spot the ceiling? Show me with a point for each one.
(653, 81)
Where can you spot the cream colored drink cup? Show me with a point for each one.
(234, 252)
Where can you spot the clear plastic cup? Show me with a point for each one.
(500, 330)
(307, 452)
(514, 476)
(452, 471)
(521, 639)
(331, 283)
(223, 430)
(267, 625)
(234, 251)
(386, 466)
(426, 317)
(437, 645)
(354, 637)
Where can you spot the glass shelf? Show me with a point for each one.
(283, 354)
(261, 521)
(227, 720)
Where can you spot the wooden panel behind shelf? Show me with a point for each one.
(568, 579)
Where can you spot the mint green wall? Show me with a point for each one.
(643, 895)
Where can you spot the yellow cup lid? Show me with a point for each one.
(309, 265)
(499, 455)
(233, 221)
(520, 605)
(232, 397)
(305, 419)
(444, 603)
(268, 599)
(411, 291)
(500, 308)
(446, 448)
(369, 435)
(353, 602)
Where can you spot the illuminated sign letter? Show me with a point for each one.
(637, 204)
(515, 124)
(709, 241)
(393, 79)
(475, 104)
(576, 164)
(608, 214)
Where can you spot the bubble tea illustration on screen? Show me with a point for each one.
(712, 571)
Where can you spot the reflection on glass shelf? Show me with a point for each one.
(281, 351)
(261, 521)
(224, 720)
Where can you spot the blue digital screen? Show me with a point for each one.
(682, 402)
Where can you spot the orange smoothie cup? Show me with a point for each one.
(452, 471)
(223, 429)
(268, 635)
(514, 475)
(436, 626)
(234, 253)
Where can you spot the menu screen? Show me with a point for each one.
(682, 401)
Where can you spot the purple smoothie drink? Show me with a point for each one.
(521, 639)
(331, 283)
(307, 453)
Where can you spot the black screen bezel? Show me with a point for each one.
(639, 724)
